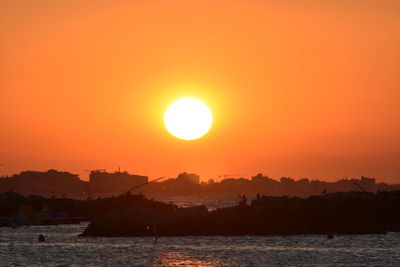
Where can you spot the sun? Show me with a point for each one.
(188, 119)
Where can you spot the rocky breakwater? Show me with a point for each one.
(338, 213)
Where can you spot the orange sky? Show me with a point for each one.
(300, 90)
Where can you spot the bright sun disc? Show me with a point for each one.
(188, 119)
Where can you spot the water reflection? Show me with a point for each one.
(174, 258)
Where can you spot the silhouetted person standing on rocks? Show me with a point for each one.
(242, 201)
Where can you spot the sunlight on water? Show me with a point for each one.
(179, 258)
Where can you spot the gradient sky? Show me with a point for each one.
(297, 88)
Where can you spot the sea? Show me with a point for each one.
(63, 247)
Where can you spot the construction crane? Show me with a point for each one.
(135, 187)
(359, 186)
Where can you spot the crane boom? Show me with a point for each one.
(359, 186)
(133, 188)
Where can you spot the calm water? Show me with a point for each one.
(63, 247)
(19, 247)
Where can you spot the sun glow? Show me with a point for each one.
(188, 119)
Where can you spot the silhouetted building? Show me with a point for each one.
(118, 182)
(47, 183)
(259, 178)
(189, 177)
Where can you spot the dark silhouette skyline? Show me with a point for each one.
(102, 183)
